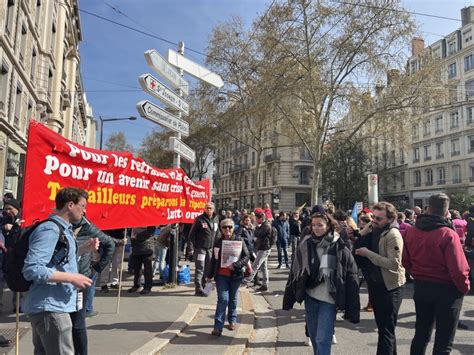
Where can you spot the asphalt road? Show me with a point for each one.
(355, 338)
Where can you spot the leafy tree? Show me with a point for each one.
(461, 201)
(310, 62)
(117, 143)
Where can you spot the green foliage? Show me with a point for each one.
(461, 201)
(117, 143)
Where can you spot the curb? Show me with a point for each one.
(238, 345)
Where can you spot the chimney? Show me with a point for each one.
(417, 45)
(467, 15)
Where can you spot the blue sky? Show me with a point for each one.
(112, 54)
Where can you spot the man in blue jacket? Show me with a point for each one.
(53, 294)
(283, 228)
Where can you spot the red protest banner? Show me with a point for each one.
(124, 191)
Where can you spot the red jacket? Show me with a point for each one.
(433, 252)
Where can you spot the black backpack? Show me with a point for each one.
(16, 255)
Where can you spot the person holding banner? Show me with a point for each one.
(229, 259)
(202, 236)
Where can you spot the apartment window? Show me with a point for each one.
(467, 35)
(53, 35)
(402, 156)
(468, 62)
(394, 181)
(441, 176)
(38, 13)
(16, 117)
(471, 143)
(471, 171)
(469, 85)
(439, 124)
(456, 173)
(50, 81)
(9, 17)
(429, 177)
(427, 151)
(415, 130)
(455, 147)
(392, 158)
(253, 158)
(246, 182)
(454, 119)
(4, 71)
(402, 179)
(303, 177)
(275, 176)
(416, 155)
(252, 182)
(29, 115)
(417, 177)
(469, 115)
(426, 128)
(451, 47)
(33, 65)
(451, 70)
(439, 150)
(22, 42)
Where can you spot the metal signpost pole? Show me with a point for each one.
(176, 163)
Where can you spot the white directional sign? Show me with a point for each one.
(151, 85)
(179, 147)
(196, 70)
(154, 113)
(161, 66)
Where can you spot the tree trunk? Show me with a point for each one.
(256, 190)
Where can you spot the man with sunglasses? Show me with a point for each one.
(202, 235)
(379, 254)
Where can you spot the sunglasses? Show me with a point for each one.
(227, 227)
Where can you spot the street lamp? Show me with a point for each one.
(102, 120)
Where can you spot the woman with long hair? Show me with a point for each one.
(324, 276)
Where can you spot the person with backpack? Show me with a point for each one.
(51, 267)
(265, 236)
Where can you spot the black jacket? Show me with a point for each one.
(239, 265)
(204, 231)
(295, 227)
(144, 241)
(247, 236)
(347, 286)
(263, 233)
(106, 247)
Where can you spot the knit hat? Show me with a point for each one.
(12, 202)
(259, 213)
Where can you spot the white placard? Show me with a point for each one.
(162, 67)
(154, 113)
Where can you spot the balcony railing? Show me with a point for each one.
(271, 157)
(455, 153)
(416, 160)
(440, 156)
(427, 158)
(303, 182)
(441, 182)
(428, 183)
(417, 184)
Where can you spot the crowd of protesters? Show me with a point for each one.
(328, 253)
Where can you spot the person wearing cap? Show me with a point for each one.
(11, 229)
(262, 233)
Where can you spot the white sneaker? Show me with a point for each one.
(307, 342)
(334, 340)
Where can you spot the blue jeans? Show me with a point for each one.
(282, 248)
(227, 288)
(320, 319)
(79, 328)
(160, 258)
(89, 295)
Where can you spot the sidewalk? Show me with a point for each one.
(145, 321)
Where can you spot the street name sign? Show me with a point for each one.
(179, 147)
(196, 70)
(153, 86)
(156, 114)
(162, 67)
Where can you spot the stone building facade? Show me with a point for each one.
(40, 79)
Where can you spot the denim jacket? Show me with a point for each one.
(45, 296)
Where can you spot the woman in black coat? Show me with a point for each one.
(228, 274)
